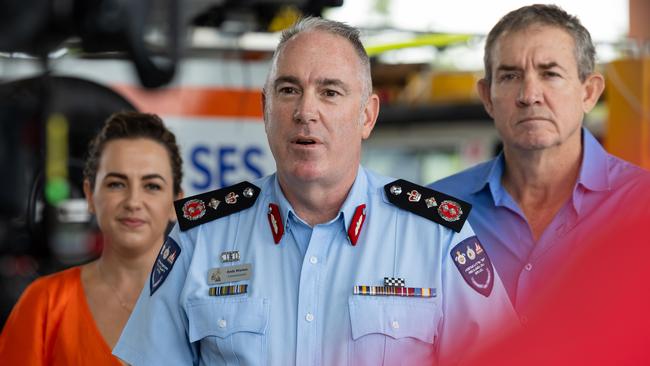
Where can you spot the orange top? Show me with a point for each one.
(52, 325)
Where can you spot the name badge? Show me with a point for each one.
(229, 274)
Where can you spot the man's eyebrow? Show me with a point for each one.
(285, 79)
(543, 66)
(333, 82)
(320, 82)
(508, 68)
(550, 65)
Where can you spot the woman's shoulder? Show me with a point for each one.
(59, 282)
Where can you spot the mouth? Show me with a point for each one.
(532, 119)
(131, 222)
(305, 141)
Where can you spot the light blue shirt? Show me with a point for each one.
(300, 308)
(525, 265)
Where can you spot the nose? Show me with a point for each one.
(134, 199)
(530, 92)
(306, 109)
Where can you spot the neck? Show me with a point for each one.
(316, 202)
(127, 269)
(549, 170)
(541, 181)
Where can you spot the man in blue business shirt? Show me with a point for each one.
(324, 262)
(553, 191)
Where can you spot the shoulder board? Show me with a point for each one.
(205, 207)
(428, 203)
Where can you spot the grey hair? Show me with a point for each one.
(550, 15)
(350, 33)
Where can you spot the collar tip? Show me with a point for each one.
(352, 240)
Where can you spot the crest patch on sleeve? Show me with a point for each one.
(472, 261)
(168, 255)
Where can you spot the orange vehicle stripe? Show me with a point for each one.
(195, 101)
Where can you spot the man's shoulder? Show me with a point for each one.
(439, 207)
(209, 206)
(622, 171)
(465, 182)
(628, 184)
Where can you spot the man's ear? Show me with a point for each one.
(592, 88)
(264, 101)
(483, 88)
(370, 113)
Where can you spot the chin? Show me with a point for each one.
(537, 141)
(307, 172)
(308, 176)
(135, 241)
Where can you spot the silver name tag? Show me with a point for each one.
(229, 274)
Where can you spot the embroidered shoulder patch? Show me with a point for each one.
(472, 261)
(428, 203)
(205, 207)
(168, 255)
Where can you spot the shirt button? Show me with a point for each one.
(528, 266)
(222, 323)
(309, 317)
(394, 324)
(313, 260)
(524, 320)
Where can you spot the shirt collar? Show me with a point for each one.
(357, 196)
(490, 176)
(278, 198)
(594, 170)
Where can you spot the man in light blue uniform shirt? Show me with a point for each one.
(322, 263)
(544, 199)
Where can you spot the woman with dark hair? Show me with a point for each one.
(132, 175)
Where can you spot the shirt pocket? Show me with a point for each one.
(390, 330)
(230, 331)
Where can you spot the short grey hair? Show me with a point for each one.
(549, 15)
(348, 32)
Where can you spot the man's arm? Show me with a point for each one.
(156, 333)
(476, 307)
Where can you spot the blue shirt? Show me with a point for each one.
(299, 308)
(525, 265)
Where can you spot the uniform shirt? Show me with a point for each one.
(299, 308)
(607, 188)
(50, 322)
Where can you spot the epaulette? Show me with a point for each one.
(428, 203)
(205, 207)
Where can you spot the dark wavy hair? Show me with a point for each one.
(132, 125)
